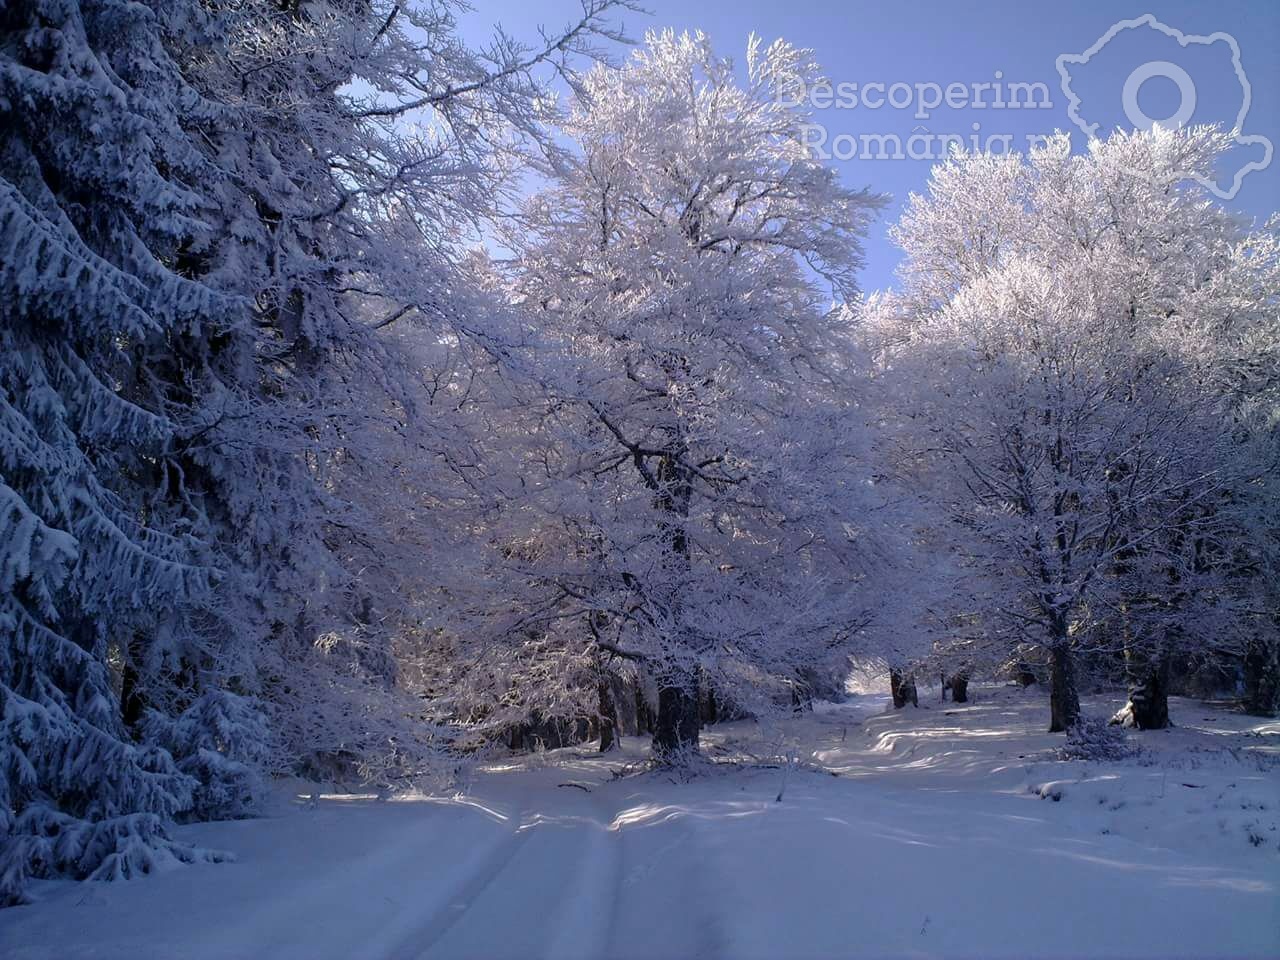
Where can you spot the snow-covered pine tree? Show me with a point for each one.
(222, 741)
(100, 192)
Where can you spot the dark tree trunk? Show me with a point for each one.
(1148, 705)
(708, 703)
(132, 702)
(801, 694)
(1262, 677)
(676, 733)
(644, 714)
(902, 689)
(133, 699)
(608, 714)
(960, 688)
(1064, 698)
(715, 707)
(713, 712)
(136, 698)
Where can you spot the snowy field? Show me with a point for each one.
(943, 831)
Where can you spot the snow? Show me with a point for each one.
(917, 833)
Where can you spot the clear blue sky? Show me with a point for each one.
(923, 42)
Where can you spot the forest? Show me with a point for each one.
(378, 406)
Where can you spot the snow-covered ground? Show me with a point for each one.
(940, 831)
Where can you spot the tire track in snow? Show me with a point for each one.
(669, 893)
(351, 898)
(548, 891)
(421, 942)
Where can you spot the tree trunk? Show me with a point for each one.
(675, 735)
(960, 688)
(132, 703)
(1262, 676)
(644, 715)
(608, 714)
(801, 694)
(1064, 698)
(708, 705)
(902, 689)
(1148, 706)
(133, 699)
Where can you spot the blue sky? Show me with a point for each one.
(923, 42)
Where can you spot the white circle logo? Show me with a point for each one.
(1159, 68)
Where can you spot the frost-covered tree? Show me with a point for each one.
(696, 489)
(1247, 299)
(1056, 361)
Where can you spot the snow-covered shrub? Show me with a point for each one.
(1093, 738)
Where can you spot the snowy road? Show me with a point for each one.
(929, 843)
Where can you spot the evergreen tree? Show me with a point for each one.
(101, 188)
